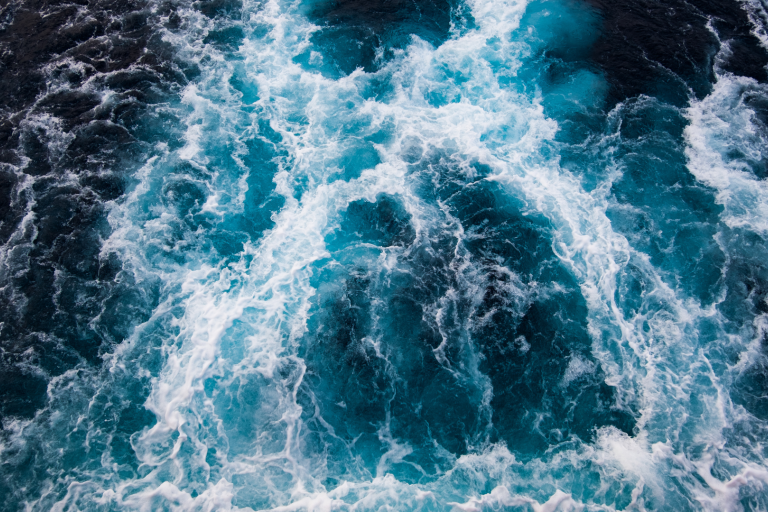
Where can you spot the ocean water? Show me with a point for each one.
(316, 255)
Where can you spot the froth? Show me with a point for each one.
(227, 388)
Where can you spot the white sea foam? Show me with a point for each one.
(758, 16)
(500, 497)
(723, 140)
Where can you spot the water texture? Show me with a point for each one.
(430, 255)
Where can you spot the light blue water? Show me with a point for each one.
(423, 274)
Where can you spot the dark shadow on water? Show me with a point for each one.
(364, 34)
(380, 358)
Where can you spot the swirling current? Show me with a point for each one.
(371, 255)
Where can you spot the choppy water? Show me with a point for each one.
(384, 255)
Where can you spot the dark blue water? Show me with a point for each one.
(384, 255)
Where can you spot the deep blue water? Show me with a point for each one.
(384, 255)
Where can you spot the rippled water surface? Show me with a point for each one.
(384, 255)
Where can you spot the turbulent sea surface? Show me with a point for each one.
(369, 255)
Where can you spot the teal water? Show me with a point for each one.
(421, 260)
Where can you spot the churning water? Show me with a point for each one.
(384, 255)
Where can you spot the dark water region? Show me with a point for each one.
(84, 86)
(516, 325)
(85, 92)
(671, 52)
(364, 34)
(655, 65)
(657, 58)
(664, 49)
(90, 93)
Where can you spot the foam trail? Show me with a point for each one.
(756, 10)
(724, 147)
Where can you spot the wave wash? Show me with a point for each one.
(384, 255)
